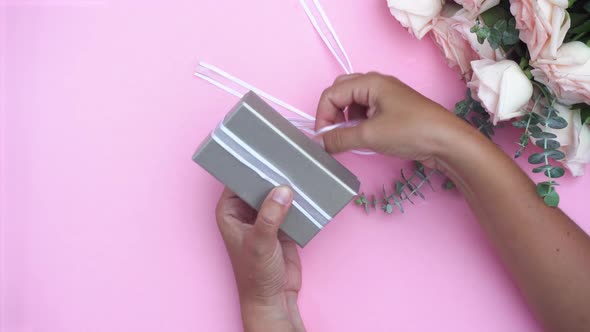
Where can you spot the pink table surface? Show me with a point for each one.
(107, 224)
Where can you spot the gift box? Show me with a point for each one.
(255, 149)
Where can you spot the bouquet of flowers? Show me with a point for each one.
(527, 61)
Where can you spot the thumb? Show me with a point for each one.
(272, 213)
(344, 139)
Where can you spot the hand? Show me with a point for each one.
(266, 264)
(399, 121)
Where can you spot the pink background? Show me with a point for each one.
(107, 224)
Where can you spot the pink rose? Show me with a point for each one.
(476, 7)
(501, 87)
(568, 76)
(416, 15)
(460, 46)
(542, 25)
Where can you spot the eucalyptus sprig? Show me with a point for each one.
(535, 125)
(403, 190)
(472, 111)
(498, 27)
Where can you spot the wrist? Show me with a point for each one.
(279, 314)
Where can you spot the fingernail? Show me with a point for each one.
(282, 195)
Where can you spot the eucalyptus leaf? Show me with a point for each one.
(535, 130)
(548, 143)
(543, 135)
(520, 124)
(552, 199)
(554, 154)
(543, 189)
(399, 205)
(538, 158)
(542, 168)
(555, 172)
(556, 122)
(388, 208)
(510, 37)
(495, 38)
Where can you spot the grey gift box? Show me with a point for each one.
(255, 148)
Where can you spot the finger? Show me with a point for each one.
(345, 77)
(360, 89)
(345, 139)
(270, 216)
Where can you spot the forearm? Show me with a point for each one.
(545, 251)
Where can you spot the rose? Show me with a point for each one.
(579, 155)
(458, 44)
(542, 25)
(476, 7)
(416, 15)
(568, 75)
(501, 87)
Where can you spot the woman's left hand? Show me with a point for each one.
(266, 264)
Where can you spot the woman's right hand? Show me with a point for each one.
(399, 121)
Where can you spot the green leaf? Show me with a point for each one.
(510, 38)
(543, 189)
(551, 144)
(448, 185)
(585, 27)
(398, 203)
(556, 122)
(584, 112)
(543, 135)
(388, 208)
(539, 158)
(577, 19)
(555, 172)
(358, 201)
(399, 187)
(570, 3)
(542, 168)
(554, 154)
(587, 6)
(535, 130)
(501, 25)
(494, 14)
(482, 34)
(462, 108)
(520, 124)
(495, 39)
(512, 23)
(552, 199)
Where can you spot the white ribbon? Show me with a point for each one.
(324, 28)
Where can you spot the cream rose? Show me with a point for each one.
(501, 87)
(568, 76)
(459, 45)
(476, 7)
(542, 25)
(416, 15)
(579, 154)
